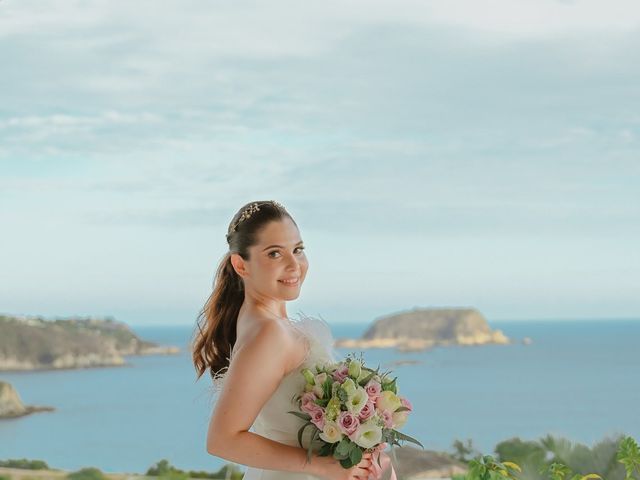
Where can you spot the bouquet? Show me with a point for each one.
(352, 409)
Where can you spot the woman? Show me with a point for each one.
(255, 352)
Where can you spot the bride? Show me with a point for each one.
(255, 351)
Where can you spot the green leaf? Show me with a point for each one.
(325, 450)
(303, 416)
(392, 386)
(346, 463)
(366, 379)
(316, 432)
(327, 387)
(340, 456)
(344, 447)
(300, 431)
(355, 454)
(407, 438)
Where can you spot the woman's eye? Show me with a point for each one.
(275, 251)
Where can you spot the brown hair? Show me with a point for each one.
(216, 335)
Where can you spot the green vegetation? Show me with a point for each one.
(25, 464)
(547, 459)
(163, 469)
(555, 459)
(89, 473)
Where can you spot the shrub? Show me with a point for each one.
(88, 473)
(612, 459)
(163, 469)
(24, 463)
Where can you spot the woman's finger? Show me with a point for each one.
(375, 472)
(378, 468)
(367, 464)
(362, 473)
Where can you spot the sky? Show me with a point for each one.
(433, 154)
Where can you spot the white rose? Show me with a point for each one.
(399, 418)
(388, 401)
(331, 432)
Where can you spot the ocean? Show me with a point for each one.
(577, 379)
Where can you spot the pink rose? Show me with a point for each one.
(373, 389)
(341, 373)
(366, 412)
(348, 423)
(308, 402)
(317, 417)
(387, 418)
(406, 403)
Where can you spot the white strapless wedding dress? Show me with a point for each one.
(273, 421)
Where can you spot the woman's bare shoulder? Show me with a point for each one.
(262, 330)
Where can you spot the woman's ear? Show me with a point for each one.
(239, 265)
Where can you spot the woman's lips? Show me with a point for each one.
(290, 283)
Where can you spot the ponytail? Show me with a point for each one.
(217, 321)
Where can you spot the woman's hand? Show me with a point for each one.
(332, 470)
(378, 471)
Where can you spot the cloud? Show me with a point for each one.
(215, 100)
(78, 122)
(255, 26)
(485, 142)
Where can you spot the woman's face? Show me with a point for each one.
(278, 256)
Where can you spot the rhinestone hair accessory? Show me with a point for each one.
(250, 210)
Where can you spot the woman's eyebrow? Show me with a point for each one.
(280, 246)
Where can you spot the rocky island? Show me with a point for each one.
(423, 328)
(11, 405)
(33, 343)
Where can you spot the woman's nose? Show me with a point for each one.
(293, 262)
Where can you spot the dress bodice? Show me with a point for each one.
(273, 420)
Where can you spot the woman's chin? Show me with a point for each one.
(289, 293)
(293, 295)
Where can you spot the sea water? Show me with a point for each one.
(577, 379)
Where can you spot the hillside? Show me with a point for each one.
(33, 343)
(423, 328)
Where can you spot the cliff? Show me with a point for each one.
(32, 343)
(423, 328)
(11, 406)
